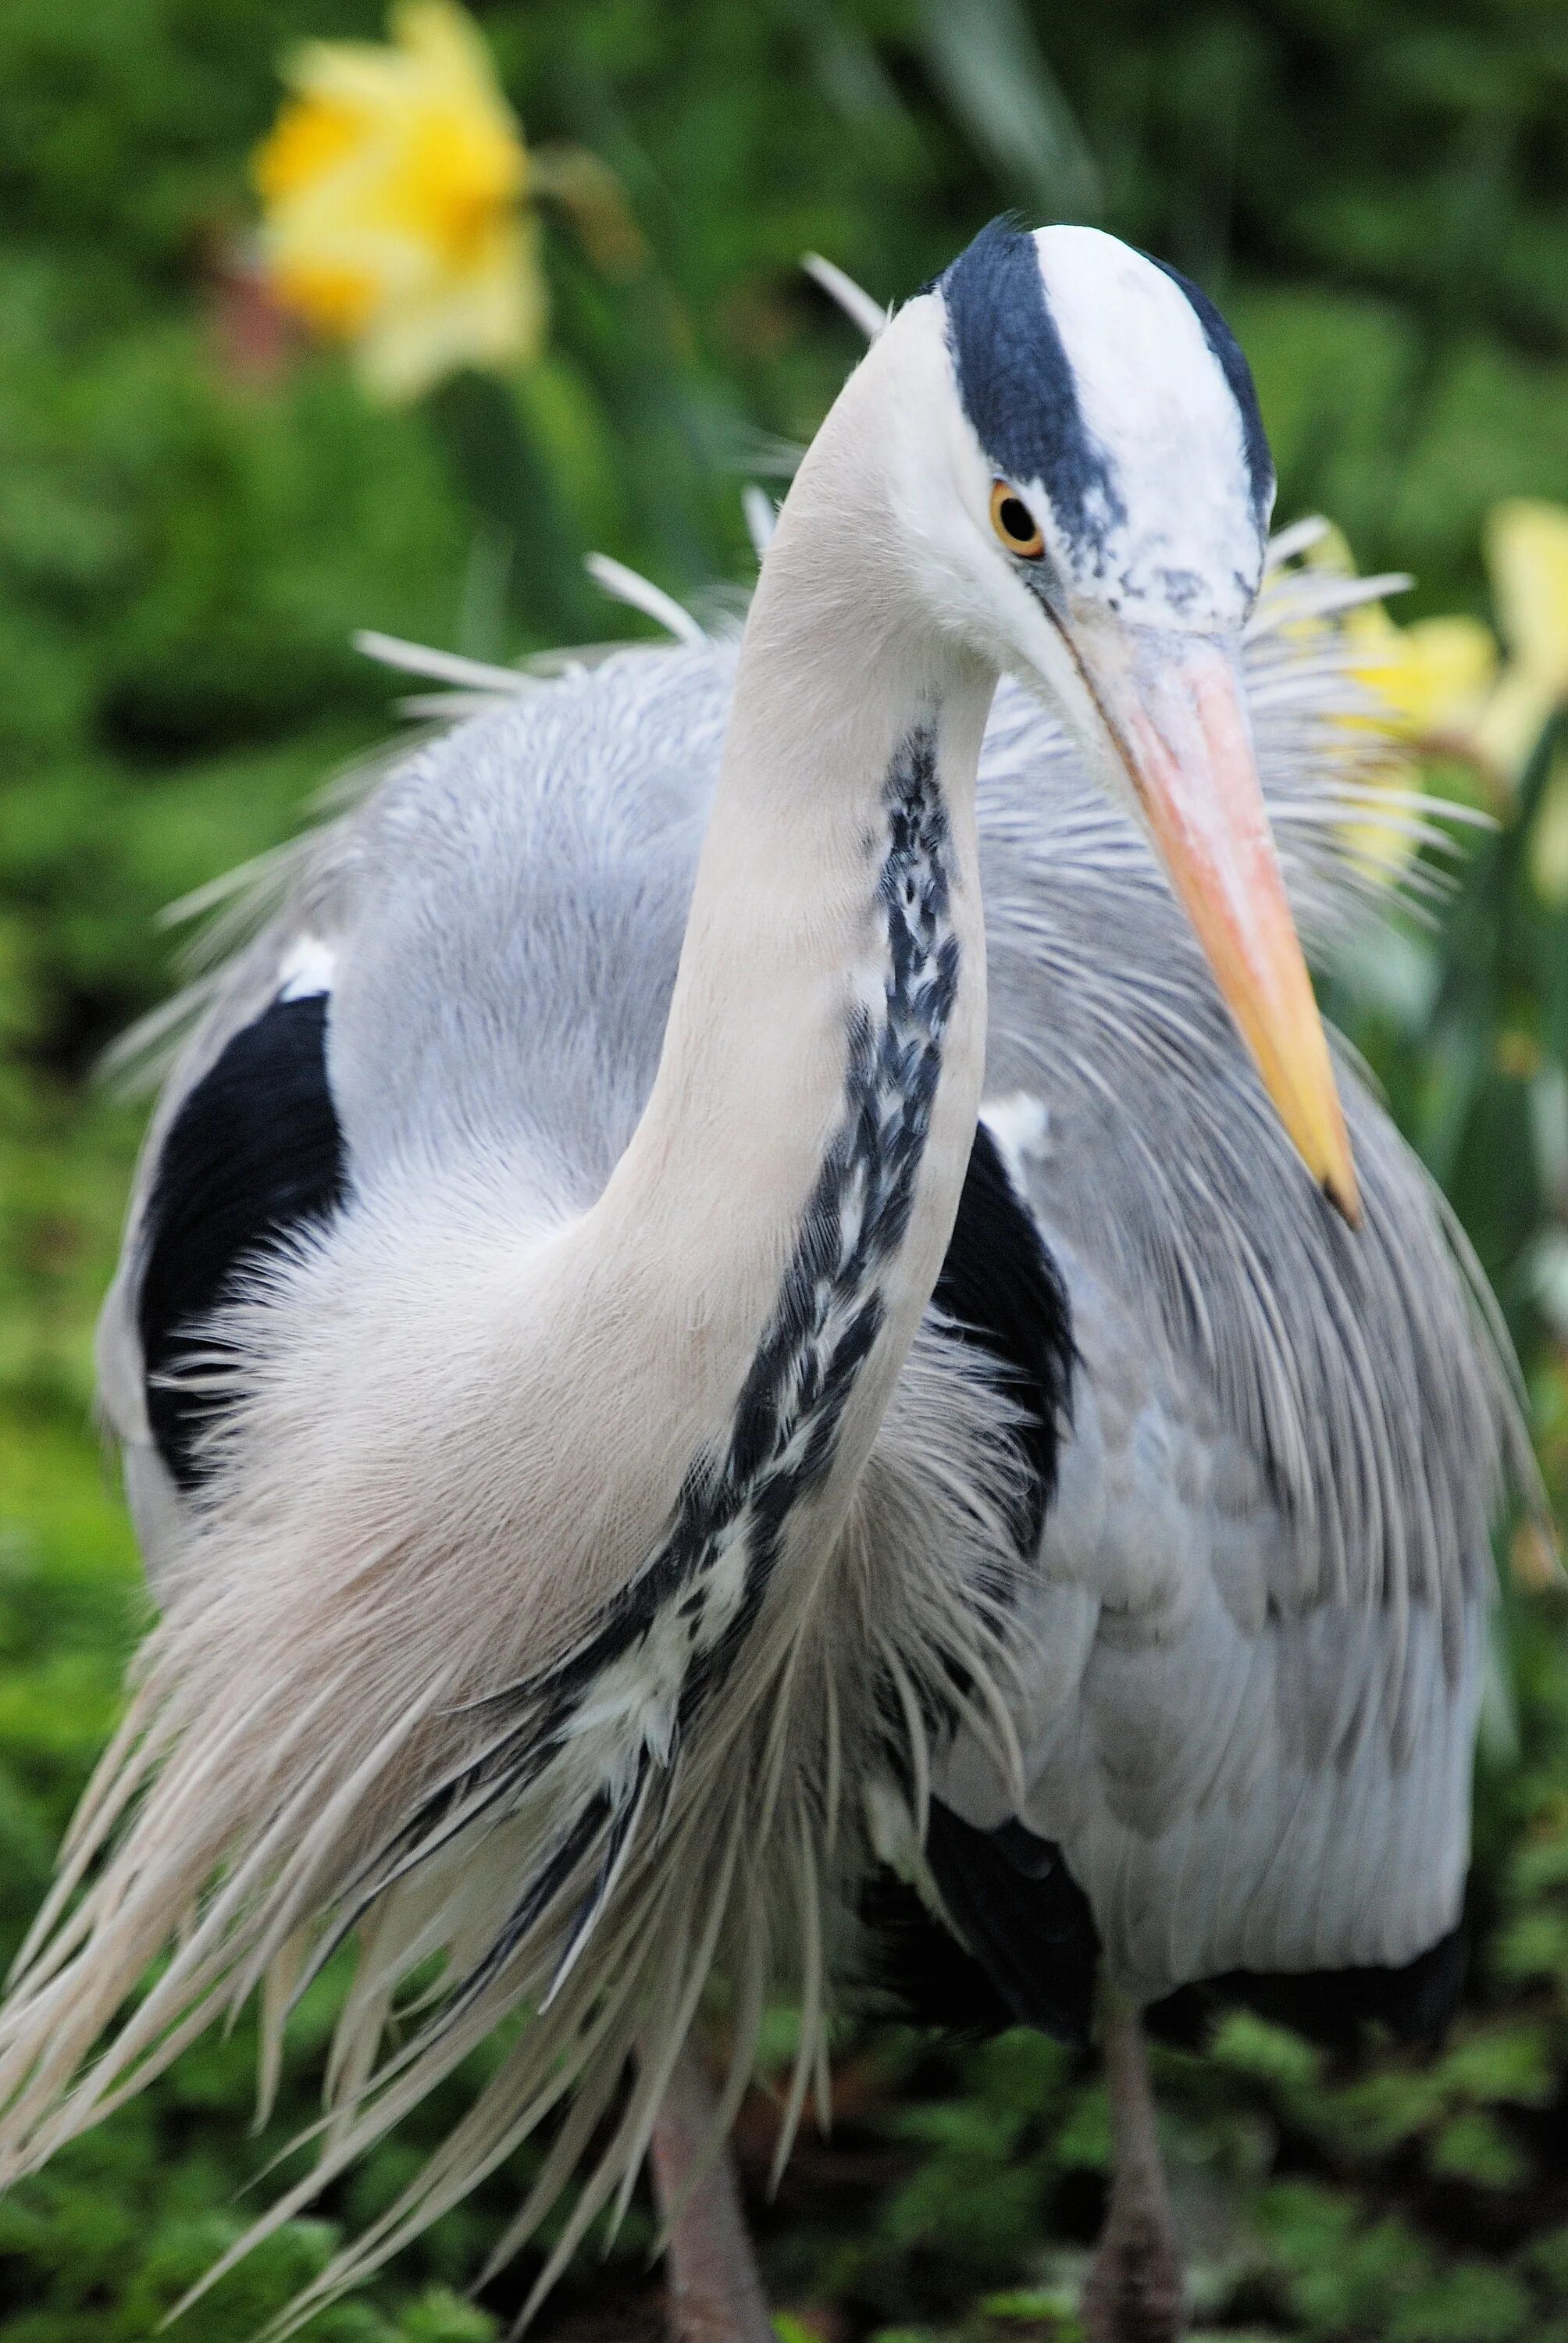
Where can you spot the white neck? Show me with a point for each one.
(849, 723)
(709, 1351)
(772, 1132)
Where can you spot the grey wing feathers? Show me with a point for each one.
(1355, 1365)
(1236, 1781)
(1256, 1637)
(497, 923)
(525, 883)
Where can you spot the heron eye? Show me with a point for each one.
(1015, 524)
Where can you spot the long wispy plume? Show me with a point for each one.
(276, 1781)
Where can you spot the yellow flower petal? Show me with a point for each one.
(338, 299)
(444, 39)
(451, 182)
(1508, 730)
(487, 316)
(1428, 683)
(1527, 553)
(1433, 674)
(1386, 847)
(355, 73)
(309, 137)
(392, 189)
(1329, 549)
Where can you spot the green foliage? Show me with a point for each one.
(194, 520)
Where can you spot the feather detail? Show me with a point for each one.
(226, 1793)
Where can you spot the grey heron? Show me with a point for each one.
(625, 1448)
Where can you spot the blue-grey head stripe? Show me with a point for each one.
(1233, 365)
(1016, 385)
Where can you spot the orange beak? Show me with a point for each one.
(1174, 708)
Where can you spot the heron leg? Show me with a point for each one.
(1133, 2293)
(715, 2291)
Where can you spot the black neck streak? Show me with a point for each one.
(829, 1309)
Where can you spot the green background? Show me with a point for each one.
(1379, 195)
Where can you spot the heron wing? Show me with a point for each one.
(1252, 1647)
(1243, 1769)
(474, 957)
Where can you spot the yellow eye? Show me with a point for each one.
(1014, 523)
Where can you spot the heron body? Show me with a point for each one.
(1246, 1506)
(717, 1301)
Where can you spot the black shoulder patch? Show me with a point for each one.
(1029, 1951)
(1416, 2002)
(1030, 1956)
(1017, 382)
(917, 1969)
(254, 1152)
(1001, 1290)
(1233, 365)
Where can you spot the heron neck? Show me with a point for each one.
(789, 1192)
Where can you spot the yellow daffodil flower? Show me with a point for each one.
(1441, 687)
(1432, 675)
(1426, 685)
(1431, 680)
(395, 189)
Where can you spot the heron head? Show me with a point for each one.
(1098, 526)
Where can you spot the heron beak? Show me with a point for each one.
(1174, 708)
